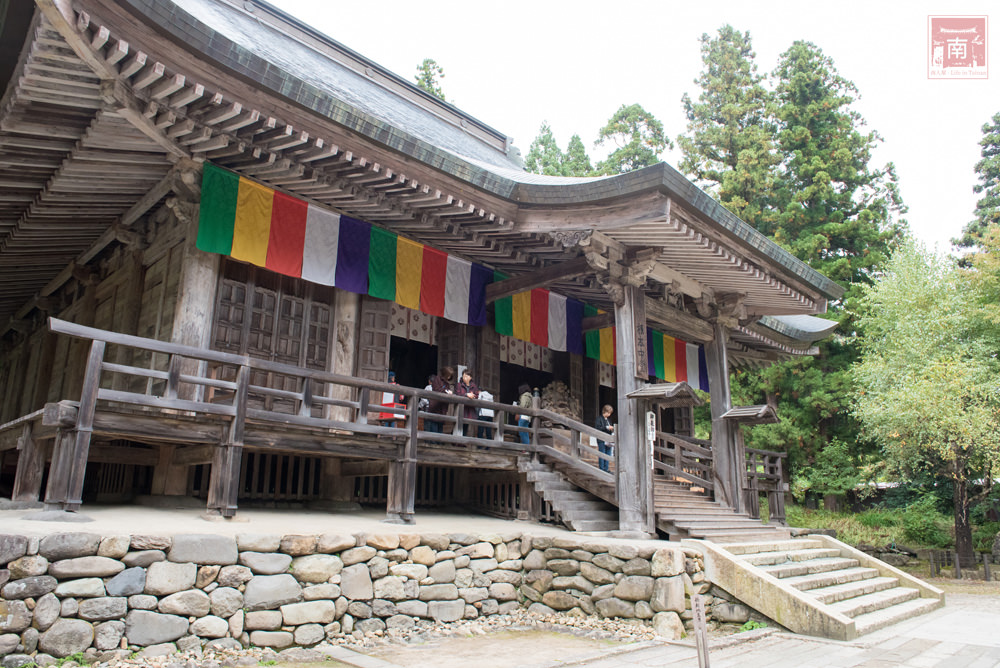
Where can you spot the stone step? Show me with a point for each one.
(783, 556)
(754, 548)
(880, 600)
(828, 579)
(724, 537)
(842, 592)
(733, 522)
(808, 567)
(873, 621)
(699, 512)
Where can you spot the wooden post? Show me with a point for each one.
(633, 465)
(958, 567)
(30, 466)
(76, 461)
(223, 485)
(56, 491)
(403, 474)
(723, 445)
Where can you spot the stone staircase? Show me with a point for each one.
(818, 585)
(683, 512)
(576, 508)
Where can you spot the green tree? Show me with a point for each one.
(822, 200)
(544, 155)
(576, 162)
(729, 145)
(640, 139)
(835, 210)
(429, 75)
(926, 382)
(988, 171)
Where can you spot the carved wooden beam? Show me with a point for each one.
(691, 328)
(599, 321)
(557, 272)
(643, 264)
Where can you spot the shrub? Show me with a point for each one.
(983, 536)
(924, 525)
(878, 518)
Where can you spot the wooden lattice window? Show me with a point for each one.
(273, 317)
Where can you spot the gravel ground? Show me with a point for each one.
(564, 633)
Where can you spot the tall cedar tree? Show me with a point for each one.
(729, 145)
(429, 75)
(576, 162)
(840, 215)
(826, 206)
(988, 171)
(640, 139)
(545, 157)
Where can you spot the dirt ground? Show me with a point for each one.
(525, 649)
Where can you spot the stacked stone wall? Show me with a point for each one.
(80, 592)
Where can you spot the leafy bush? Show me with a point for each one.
(983, 536)
(924, 525)
(878, 517)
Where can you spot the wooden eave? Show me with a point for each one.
(760, 414)
(148, 93)
(668, 394)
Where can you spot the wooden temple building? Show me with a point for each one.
(220, 229)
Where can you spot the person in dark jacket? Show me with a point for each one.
(604, 424)
(443, 382)
(467, 388)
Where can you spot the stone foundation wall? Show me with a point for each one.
(70, 592)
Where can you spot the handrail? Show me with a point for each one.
(454, 418)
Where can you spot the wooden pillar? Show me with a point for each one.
(346, 308)
(633, 466)
(56, 491)
(402, 489)
(31, 455)
(223, 484)
(192, 326)
(727, 487)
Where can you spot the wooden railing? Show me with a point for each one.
(199, 382)
(684, 457)
(764, 476)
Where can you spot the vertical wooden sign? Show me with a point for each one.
(635, 301)
(700, 629)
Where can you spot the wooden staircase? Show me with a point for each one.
(818, 585)
(578, 509)
(683, 511)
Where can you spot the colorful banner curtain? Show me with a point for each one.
(250, 222)
(673, 360)
(541, 317)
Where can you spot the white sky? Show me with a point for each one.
(515, 64)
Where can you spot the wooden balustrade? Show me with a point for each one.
(684, 457)
(223, 386)
(764, 476)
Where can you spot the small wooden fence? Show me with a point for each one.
(188, 381)
(980, 567)
(764, 476)
(686, 458)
